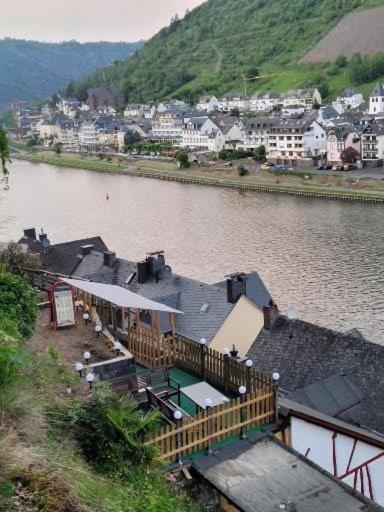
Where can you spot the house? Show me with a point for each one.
(141, 128)
(233, 101)
(372, 145)
(231, 127)
(201, 132)
(134, 110)
(69, 106)
(89, 134)
(340, 138)
(376, 100)
(46, 130)
(255, 132)
(67, 134)
(102, 97)
(328, 116)
(168, 125)
(350, 99)
(296, 141)
(207, 104)
(260, 474)
(304, 97)
(263, 102)
(304, 353)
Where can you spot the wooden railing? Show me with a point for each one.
(206, 428)
(208, 364)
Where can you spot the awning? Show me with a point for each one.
(119, 296)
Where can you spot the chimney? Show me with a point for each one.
(142, 271)
(86, 249)
(30, 233)
(270, 313)
(109, 258)
(236, 287)
(42, 236)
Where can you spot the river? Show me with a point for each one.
(325, 257)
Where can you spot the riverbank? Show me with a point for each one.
(317, 186)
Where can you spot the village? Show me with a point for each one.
(242, 388)
(290, 130)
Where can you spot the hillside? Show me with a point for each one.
(31, 70)
(214, 44)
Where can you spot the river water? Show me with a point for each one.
(324, 257)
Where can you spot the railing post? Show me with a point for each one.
(242, 391)
(248, 364)
(226, 372)
(178, 415)
(208, 407)
(276, 378)
(203, 352)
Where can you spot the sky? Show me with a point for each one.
(88, 20)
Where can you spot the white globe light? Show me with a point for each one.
(98, 328)
(275, 376)
(86, 316)
(87, 355)
(242, 390)
(203, 341)
(208, 402)
(90, 377)
(226, 351)
(249, 363)
(177, 415)
(79, 367)
(117, 346)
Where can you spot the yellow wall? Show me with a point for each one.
(240, 328)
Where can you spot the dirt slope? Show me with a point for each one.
(358, 32)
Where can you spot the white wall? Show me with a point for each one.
(319, 441)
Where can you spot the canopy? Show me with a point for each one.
(119, 296)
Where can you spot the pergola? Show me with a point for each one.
(125, 300)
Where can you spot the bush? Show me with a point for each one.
(242, 170)
(182, 159)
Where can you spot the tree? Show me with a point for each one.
(259, 153)
(131, 138)
(13, 259)
(183, 161)
(341, 61)
(33, 141)
(349, 155)
(4, 151)
(57, 148)
(242, 170)
(235, 112)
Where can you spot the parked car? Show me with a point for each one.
(349, 167)
(265, 167)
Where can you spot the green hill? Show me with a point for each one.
(220, 40)
(31, 70)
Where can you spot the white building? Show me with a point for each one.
(134, 110)
(296, 141)
(232, 101)
(376, 100)
(208, 104)
(264, 102)
(372, 145)
(167, 125)
(255, 132)
(68, 135)
(201, 132)
(89, 134)
(349, 99)
(302, 97)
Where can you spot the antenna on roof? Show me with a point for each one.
(292, 312)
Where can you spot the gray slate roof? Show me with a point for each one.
(183, 293)
(305, 353)
(378, 90)
(259, 474)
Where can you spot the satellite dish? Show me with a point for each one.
(292, 312)
(45, 243)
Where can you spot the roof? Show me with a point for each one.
(183, 293)
(260, 474)
(378, 90)
(349, 92)
(336, 396)
(119, 296)
(305, 353)
(328, 112)
(62, 258)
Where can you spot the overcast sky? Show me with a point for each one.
(88, 20)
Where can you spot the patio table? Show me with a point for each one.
(199, 392)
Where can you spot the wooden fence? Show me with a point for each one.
(208, 364)
(206, 428)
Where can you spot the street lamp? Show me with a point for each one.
(276, 378)
(226, 351)
(87, 356)
(242, 391)
(86, 318)
(98, 330)
(203, 347)
(203, 341)
(178, 416)
(117, 346)
(90, 378)
(208, 405)
(79, 368)
(249, 363)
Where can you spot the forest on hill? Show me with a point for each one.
(220, 42)
(31, 70)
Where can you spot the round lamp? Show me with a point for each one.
(117, 346)
(249, 363)
(87, 355)
(208, 402)
(79, 368)
(98, 329)
(90, 378)
(86, 318)
(203, 341)
(226, 351)
(177, 415)
(242, 390)
(275, 376)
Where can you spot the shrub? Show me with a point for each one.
(182, 159)
(242, 170)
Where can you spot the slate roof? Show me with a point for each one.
(336, 396)
(348, 93)
(259, 474)
(62, 258)
(183, 293)
(305, 353)
(329, 112)
(378, 90)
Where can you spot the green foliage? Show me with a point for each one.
(183, 161)
(341, 61)
(242, 170)
(57, 148)
(4, 151)
(234, 154)
(33, 141)
(235, 112)
(221, 41)
(260, 153)
(18, 302)
(131, 138)
(15, 260)
(35, 70)
(365, 69)
(349, 155)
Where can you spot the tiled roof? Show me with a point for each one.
(305, 353)
(378, 90)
